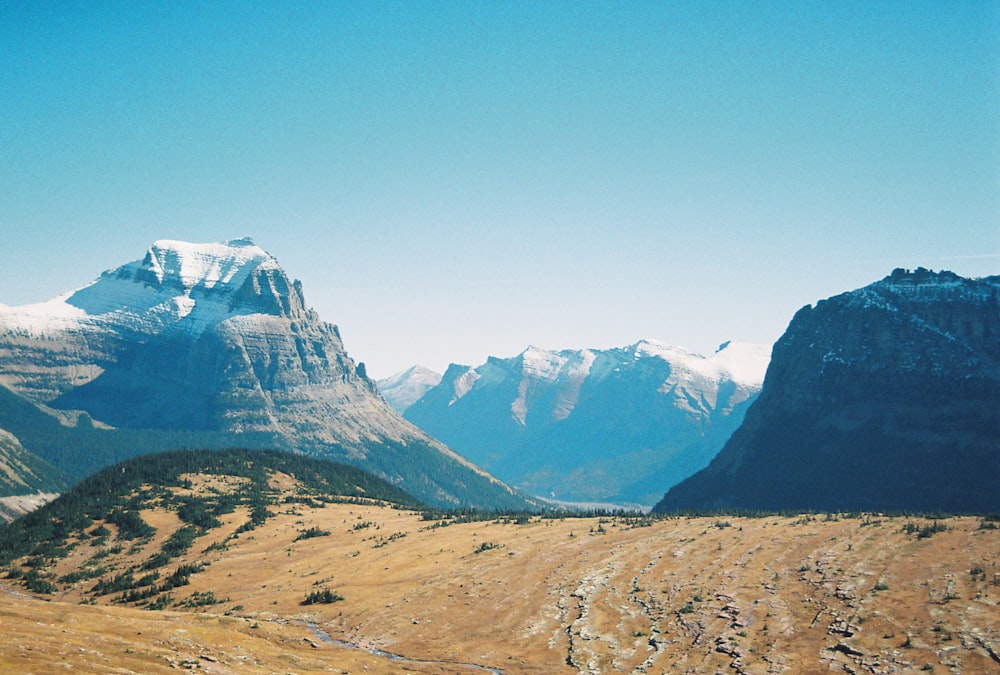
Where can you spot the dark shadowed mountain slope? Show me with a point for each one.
(884, 398)
(215, 339)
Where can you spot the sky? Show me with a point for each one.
(456, 180)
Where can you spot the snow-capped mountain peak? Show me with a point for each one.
(404, 389)
(214, 338)
(189, 266)
(176, 285)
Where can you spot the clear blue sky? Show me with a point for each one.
(458, 179)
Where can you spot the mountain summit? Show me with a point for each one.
(215, 338)
(406, 388)
(237, 276)
(175, 286)
(196, 336)
(883, 398)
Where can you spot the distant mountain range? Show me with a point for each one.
(406, 388)
(614, 425)
(208, 345)
(886, 398)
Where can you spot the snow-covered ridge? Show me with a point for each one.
(415, 375)
(742, 362)
(42, 317)
(693, 380)
(404, 389)
(205, 265)
(542, 364)
(177, 283)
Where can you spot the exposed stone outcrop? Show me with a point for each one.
(884, 398)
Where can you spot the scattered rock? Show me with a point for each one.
(845, 649)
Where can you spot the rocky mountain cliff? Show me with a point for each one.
(883, 398)
(24, 473)
(216, 338)
(611, 425)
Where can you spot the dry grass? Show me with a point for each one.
(695, 595)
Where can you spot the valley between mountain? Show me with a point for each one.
(523, 594)
(231, 559)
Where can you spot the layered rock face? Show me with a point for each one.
(214, 337)
(611, 425)
(193, 336)
(884, 398)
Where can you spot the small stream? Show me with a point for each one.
(323, 636)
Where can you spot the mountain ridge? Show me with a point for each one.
(594, 425)
(900, 377)
(215, 338)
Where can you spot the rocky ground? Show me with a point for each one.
(13, 507)
(598, 595)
